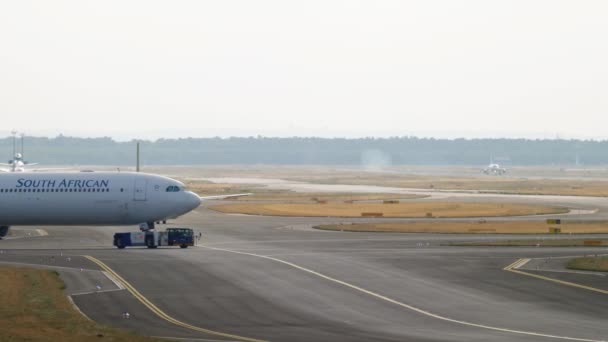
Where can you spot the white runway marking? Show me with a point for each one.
(520, 263)
(94, 292)
(44, 266)
(114, 280)
(192, 339)
(592, 273)
(515, 265)
(407, 306)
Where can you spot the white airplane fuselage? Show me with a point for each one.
(91, 198)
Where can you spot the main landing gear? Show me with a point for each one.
(3, 231)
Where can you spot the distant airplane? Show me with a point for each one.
(17, 164)
(494, 169)
(93, 198)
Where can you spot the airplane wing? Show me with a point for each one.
(5, 170)
(205, 198)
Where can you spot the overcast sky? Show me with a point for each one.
(150, 69)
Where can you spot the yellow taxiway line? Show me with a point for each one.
(513, 267)
(161, 313)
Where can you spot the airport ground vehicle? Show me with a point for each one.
(182, 237)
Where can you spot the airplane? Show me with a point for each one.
(494, 169)
(93, 198)
(17, 164)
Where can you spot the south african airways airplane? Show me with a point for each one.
(92, 198)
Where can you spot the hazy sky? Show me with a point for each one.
(149, 69)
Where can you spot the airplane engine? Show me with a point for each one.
(3, 231)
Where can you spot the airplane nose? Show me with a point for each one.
(193, 200)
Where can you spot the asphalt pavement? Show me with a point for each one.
(278, 279)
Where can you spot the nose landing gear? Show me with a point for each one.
(146, 226)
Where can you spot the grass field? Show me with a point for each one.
(472, 227)
(408, 209)
(34, 308)
(597, 263)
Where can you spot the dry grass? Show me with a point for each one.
(34, 308)
(408, 209)
(597, 263)
(472, 227)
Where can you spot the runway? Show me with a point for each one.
(277, 279)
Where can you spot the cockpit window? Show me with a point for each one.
(172, 188)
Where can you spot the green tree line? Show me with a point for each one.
(302, 150)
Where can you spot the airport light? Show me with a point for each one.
(14, 133)
(137, 153)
